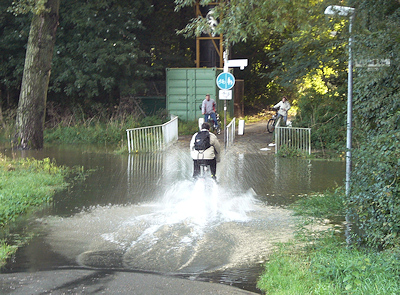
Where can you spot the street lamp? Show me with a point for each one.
(347, 11)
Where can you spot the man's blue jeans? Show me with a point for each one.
(213, 116)
(284, 118)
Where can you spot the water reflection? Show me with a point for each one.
(279, 181)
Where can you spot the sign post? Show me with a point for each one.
(225, 82)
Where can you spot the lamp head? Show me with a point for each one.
(339, 10)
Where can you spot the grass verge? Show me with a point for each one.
(25, 184)
(321, 262)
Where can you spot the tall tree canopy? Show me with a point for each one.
(98, 48)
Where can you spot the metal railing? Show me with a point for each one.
(152, 138)
(230, 132)
(293, 138)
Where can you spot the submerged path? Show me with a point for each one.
(96, 281)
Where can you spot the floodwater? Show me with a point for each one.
(145, 213)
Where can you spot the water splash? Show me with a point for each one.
(193, 227)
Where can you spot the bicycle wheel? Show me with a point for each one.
(271, 125)
(203, 170)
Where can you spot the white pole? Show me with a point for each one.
(226, 53)
(347, 11)
(349, 111)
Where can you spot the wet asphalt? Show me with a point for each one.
(73, 281)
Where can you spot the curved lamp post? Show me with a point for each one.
(336, 10)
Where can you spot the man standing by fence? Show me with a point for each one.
(208, 108)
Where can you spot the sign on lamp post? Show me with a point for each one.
(225, 81)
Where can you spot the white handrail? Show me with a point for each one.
(152, 138)
(293, 138)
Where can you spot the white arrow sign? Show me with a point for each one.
(225, 94)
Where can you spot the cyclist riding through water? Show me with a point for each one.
(205, 150)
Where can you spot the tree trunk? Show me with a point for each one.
(35, 81)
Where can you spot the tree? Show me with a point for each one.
(35, 80)
(98, 54)
(242, 19)
(110, 49)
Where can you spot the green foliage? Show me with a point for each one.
(100, 130)
(375, 190)
(357, 271)
(241, 19)
(262, 89)
(14, 33)
(5, 252)
(290, 152)
(27, 183)
(187, 127)
(104, 51)
(329, 267)
(319, 261)
(326, 116)
(97, 48)
(26, 6)
(167, 49)
(288, 272)
(373, 202)
(329, 204)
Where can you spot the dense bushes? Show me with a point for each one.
(375, 181)
(326, 116)
(100, 127)
(375, 197)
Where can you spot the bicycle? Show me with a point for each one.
(205, 171)
(213, 124)
(213, 127)
(272, 122)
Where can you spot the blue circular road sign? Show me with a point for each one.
(225, 81)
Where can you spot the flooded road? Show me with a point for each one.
(145, 213)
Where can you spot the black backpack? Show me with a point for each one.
(202, 141)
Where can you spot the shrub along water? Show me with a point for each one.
(100, 130)
(25, 184)
(321, 262)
